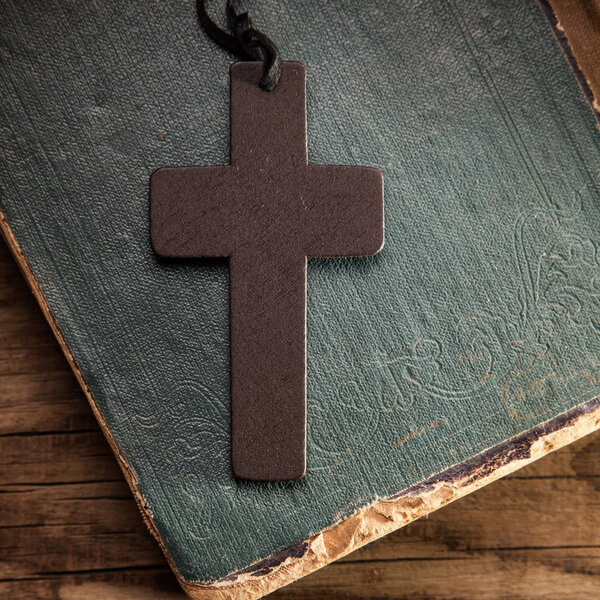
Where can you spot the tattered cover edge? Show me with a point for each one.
(572, 31)
(366, 525)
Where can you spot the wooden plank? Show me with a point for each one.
(527, 575)
(535, 575)
(127, 584)
(572, 573)
(57, 458)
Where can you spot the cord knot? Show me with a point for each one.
(247, 42)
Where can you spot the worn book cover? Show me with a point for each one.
(468, 347)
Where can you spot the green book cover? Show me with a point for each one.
(432, 367)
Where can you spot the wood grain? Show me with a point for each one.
(70, 529)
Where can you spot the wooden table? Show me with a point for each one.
(70, 529)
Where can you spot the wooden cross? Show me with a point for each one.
(267, 212)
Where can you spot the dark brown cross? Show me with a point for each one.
(267, 212)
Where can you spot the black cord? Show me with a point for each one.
(247, 42)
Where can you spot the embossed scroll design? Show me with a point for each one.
(195, 458)
(509, 353)
(512, 354)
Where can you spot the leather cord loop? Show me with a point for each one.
(246, 42)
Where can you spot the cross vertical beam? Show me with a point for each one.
(268, 287)
(268, 362)
(268, 129)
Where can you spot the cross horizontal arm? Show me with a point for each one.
(191, 213)
(344, 211)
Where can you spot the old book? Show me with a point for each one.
(466, 349)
